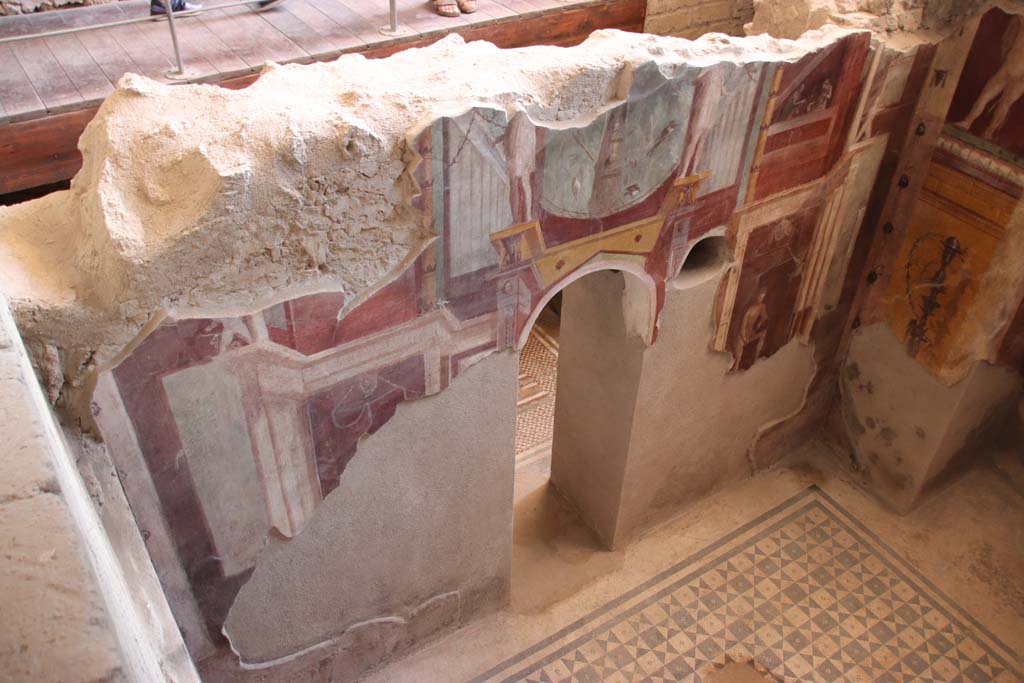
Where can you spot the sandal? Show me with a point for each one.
(467, 6)
(446, 8)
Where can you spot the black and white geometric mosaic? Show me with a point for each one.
(535, 408)
(805, 590)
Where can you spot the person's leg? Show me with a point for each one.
(156, 7)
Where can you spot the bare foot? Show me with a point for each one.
(446, 8)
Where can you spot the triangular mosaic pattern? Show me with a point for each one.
(805, 590)
(535, 407)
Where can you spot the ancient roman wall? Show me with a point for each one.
(694, 18)
(69, 615)
(943, 247)
(291, 312)
(936, 284)
(55, 622)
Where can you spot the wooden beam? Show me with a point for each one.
(40, 152)
(45, 150)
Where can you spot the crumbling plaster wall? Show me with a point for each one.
(293, 273)
(300, 189)
(904, 410)
(320, 258)
(418, 535)
(256, 204)
(901, 23)
(906, 426)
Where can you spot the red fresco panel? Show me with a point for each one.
(817, 84)
(306, 324)
(769, 283)
(715, 210)
(311, 324)
(340, 416)
(394, 304)
(172, 347)
(798, 134)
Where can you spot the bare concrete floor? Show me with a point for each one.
(957, 563)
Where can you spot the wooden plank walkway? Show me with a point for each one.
(60, 74)
(51, 87)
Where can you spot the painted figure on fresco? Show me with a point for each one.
(772, 286)
(793, 107)
(824, 96)
(924, 309)
(753, 332)
(1004, 87)
(806, 100)
(987, 109)
(234, 335)
(520, 154)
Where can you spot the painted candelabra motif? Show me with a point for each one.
(243, 425)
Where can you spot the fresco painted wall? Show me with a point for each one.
(972, 184)
(944, 217)
(226, 430)
(943, 270)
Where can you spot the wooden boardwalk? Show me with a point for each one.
(50, 87)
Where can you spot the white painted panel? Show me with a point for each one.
(207, 404)
(723, 152)
(478, 191)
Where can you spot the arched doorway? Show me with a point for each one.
(571, 445)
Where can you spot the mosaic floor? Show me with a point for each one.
(536, 404)
(804, 590)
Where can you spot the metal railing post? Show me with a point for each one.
(169, 8)
(392, 28)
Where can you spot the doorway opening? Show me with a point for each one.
(555, 553)
(571, 443)
(535, 403)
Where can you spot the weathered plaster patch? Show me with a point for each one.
(384, 542)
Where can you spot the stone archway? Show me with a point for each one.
(640, 298)
(607, 320)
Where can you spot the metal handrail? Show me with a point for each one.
(392, 28)
(78, 29)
